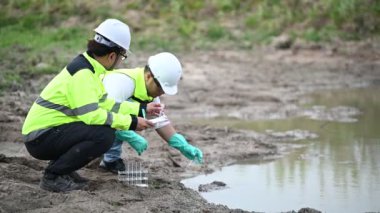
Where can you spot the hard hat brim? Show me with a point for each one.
(170, 90)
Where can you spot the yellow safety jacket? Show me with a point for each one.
(140, 93)
(77, 94)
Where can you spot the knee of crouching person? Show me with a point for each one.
(105, 135)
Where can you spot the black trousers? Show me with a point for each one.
(70, 147)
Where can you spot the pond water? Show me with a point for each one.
(337, 172)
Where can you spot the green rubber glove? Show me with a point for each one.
(136, 141)
(191, 152)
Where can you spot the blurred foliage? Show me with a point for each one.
(43, 35)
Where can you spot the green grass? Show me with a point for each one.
(41, 36)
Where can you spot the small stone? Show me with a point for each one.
(282, 42)
(215, 185)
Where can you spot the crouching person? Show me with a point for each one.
(72, 121)
(145, 85)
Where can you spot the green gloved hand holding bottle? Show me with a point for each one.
(191, 152)
(136, 141)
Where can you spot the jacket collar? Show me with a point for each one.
(98, 67)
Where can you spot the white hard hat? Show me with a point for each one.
(115, 31)
(167, 69)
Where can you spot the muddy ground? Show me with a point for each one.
(250, 85)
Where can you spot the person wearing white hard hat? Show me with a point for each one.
(145, 85)
(73, 121)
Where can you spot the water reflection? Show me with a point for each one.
(337, 172)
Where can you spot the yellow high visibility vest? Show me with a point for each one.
(77, 94)
(140, 93)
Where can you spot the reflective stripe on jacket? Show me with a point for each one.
(77, 94)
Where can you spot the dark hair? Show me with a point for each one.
(147, 68)
(98, 49)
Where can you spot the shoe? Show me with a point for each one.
(77, 178)
(59, 183)
(114, 166)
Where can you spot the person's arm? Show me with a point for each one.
(191, 152)
(83, 95)
(166, 130)
(178, 141)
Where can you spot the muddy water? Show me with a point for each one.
(338, 171)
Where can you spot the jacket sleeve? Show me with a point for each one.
(120, 87)
(84, 90)
(125, 107)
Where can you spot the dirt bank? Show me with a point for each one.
(248, 85)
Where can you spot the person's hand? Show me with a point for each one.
(136, 141)
(154, 108)
(190, 152)
(142, 124)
